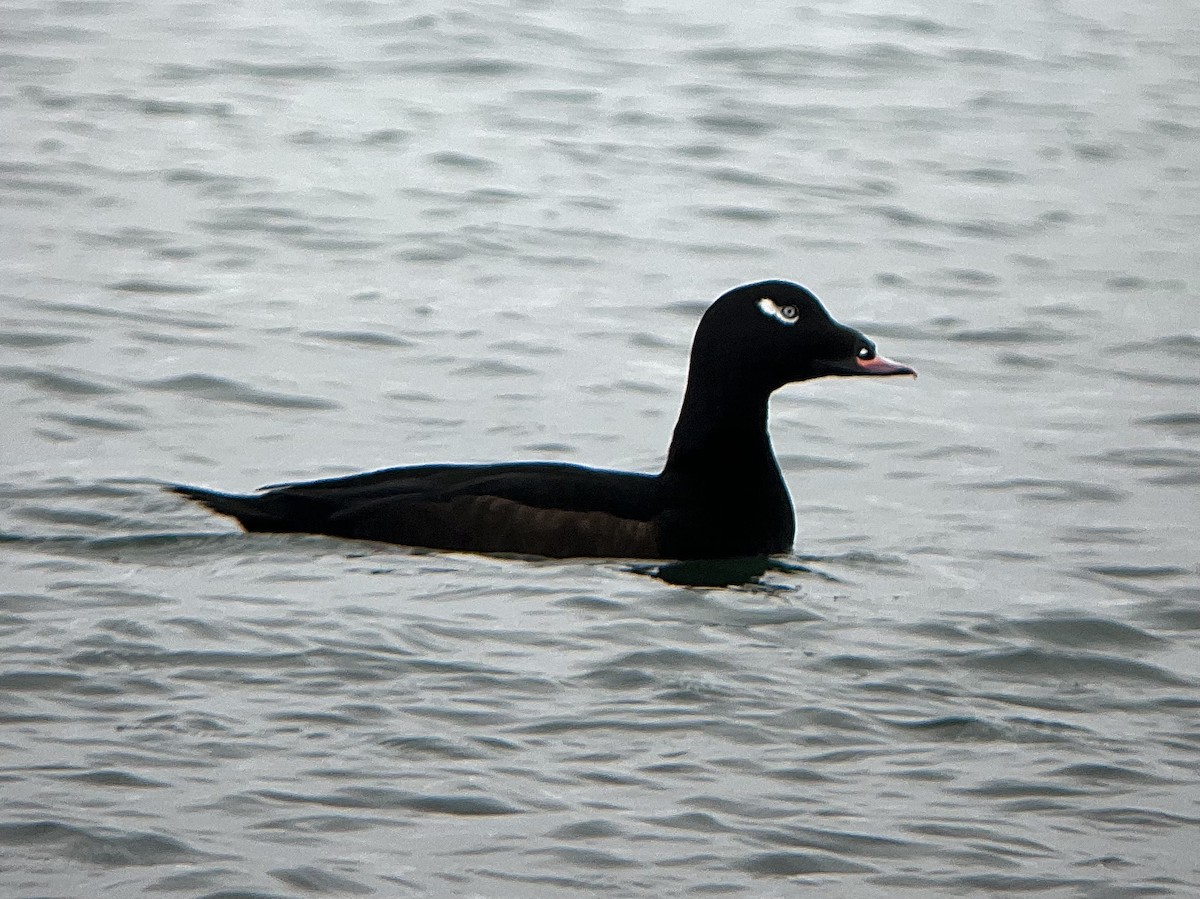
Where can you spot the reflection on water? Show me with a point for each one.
(310, 241)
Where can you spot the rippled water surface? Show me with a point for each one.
(251, 243)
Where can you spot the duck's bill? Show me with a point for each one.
(881, 365)
(877, 366)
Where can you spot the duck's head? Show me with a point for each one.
(773, 333)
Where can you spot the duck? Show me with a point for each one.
(719, 495)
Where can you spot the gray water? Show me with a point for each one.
(245, 243)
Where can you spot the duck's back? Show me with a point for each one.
(532, 508)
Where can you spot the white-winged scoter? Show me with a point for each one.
(720, 494)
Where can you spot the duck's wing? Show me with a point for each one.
(545, 509)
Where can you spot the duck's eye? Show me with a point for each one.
(865, 352)
(788, 315)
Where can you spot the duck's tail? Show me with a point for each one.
(254, 513)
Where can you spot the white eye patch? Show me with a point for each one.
(785, 314)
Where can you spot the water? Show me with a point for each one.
(244, 245)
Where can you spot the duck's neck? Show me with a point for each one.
(722, 431)
(722, 471)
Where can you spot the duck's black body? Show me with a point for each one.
(720, 494)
